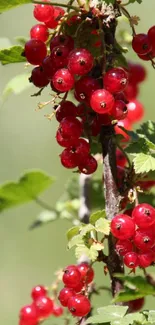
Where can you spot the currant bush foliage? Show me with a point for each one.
(12, 55)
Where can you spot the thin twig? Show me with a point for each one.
(55, 4)
(43, 204)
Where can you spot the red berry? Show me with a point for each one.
(131, 260)
(68, 159)
(79, 305)
(87, 272)
(71, 127)
(65, 109)
(57, 311)
(79, 287)
(122, 226)
(38, 77)
(80, 61)
(137, 73)
(54, 19)
(125, 124)
(102, 101)
(44, 306)
(119, 110)
(88, 166)
(64, 295)
(145, 259)
(35, 51)
(120, 158)
(95, 126)
(43, 12)
(38, 291)
(40, 32)
(84, 88)
(115, 80)
(144, 240)
(82, 149)
(64, 40)
(63, 80)
(144, 215)
(135, 111)
(131, 91)
(65, 142)
(151, 36)
(146, 57)
(59, 56)
(48, 67)
(135, 305)
(141, 44)
(28, 315)
(123, 247)
(71, 276)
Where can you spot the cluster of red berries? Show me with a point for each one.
(74, 295)
(144, 44)
(136, 236)
(41, 308)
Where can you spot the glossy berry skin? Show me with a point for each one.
(80, 61)
(88, 166)
(57, 311)
(135, 111)
(43, 12)
(144, 240)
(68, 159)
(38, 77)
(84, 88)
(135, 305)
(115, 80)
(144, 215)
(54, 19)
(131, 91)
(71, 277)
(65, 142)
(131, 260)
(79, 287)
(64, 295)
(63, 80)
(65, 109)
(87, 272)
(40, 32)
(102, 101)
(35, 51)
(28, 315)
(44, 306)
(141, 44)
(151, 36)
(145, 259)
(48, 67)
(123, 247)
(81, 149)
(125, 124)
(119, 110)
(61, 39)
(122, 226)
(71, 127)
(79, 305)
(38, 291)
(59, 56)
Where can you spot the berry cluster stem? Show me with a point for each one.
(112, 199)
(56, 4)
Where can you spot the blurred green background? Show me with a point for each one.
(27, 140)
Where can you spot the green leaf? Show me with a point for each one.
(143, 163)
(16, 85)
(148, 130)
(127, 295)
(72, 232)
(91, 252)
(7, 4)
(103, 226)
(151, 316)
(97, 215)
(129, 319)
(29, 186)
(76, 240)
(109, 1)
(132, 1)
(108, 314)
(98, 246)
(44, 217)
(85, 229)
(12, 55)
(139, 146)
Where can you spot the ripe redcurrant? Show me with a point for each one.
(79, 305)
(135, 305)
(38, 77)
(28, 315)
(144, 240)
(123, 247)
(141, 44)
(102, 101)
(44, 306)
(35, 51)
(71, 276)
(40, 32)
(43, 12)
(65, 109)
(119, 110)
(135, 111)
(80, 61)
(38, 291)
(54, 19)
(65, 142)
(143, 215)
(68, 158)
(64, 296)
(57, 311)
(122, 226)
(59, 56)
(64, 40)
(63, 80)
(115, 80)
(88, 166)
(87, 272)
(145, 259)
(131, 260)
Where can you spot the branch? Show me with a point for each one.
(112, 199)
(56, 4)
